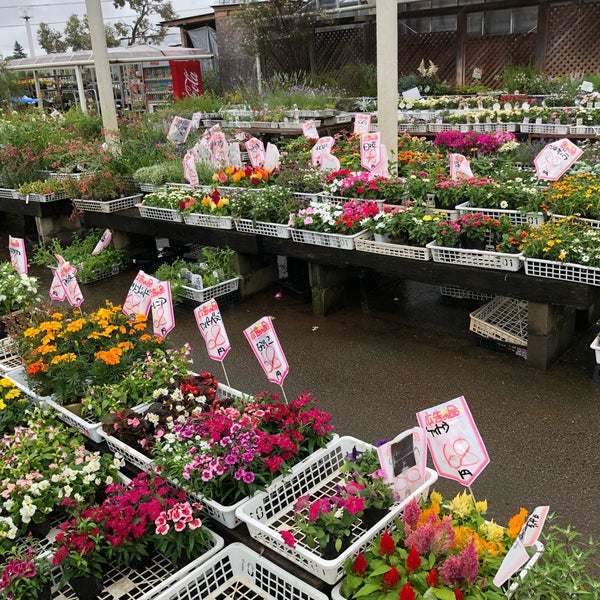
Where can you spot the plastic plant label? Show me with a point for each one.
(210, 323)
(264, 342)
(57, 291)
(138, 297)
(179, 130)
(66, 275)
(532, 527)
(163, 319)
(460, 168)
(219, 147)
(103, 242)
(189, 168)
(18, 254)
(456, 448)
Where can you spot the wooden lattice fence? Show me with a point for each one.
(491, 54)
(437, 47)
(572, 43)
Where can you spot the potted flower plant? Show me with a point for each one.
(331, 218)
(13, 406)
(17, 291)
(103, 344)
(442, 549)
(26, 572)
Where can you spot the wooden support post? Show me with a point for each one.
(329, 286)
(461, 33)
(550, 331)
(258, 272)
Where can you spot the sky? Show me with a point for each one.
(56, 12)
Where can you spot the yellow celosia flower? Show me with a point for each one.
(481, 507)
(492, 531)
(4, 382)
(2, 405)
(462, 504)
(436, 497)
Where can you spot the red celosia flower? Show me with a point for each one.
(458, 594)
(391, 577)
(360, 565)
(432, 578)
(386, 545)
(413, 560)
(407, 592)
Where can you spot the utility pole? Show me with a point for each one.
(103, 77)
(36, 80)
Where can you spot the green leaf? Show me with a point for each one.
(367, 589)
(443, 593)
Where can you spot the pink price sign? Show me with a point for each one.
(362, 124)
(66, 275)
(322, 147)
(18, 254)
(460, 168)
(56, 292)
(267, 349)
(456, 448)
(189, 168)
(163, 319)
(210, 323)
(220, 148)
(555, 158)
(256, 152)
(370, 150)
(103, 242)
(138, 297)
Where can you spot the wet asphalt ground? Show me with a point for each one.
(395, 351)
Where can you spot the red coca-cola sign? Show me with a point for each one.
(187, 78)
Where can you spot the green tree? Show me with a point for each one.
(18, 51)
(77, 34)
(143, 30)
(50, 39)
(8, 85)
(279, 32)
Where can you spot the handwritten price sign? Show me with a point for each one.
(517, 556)
(189, 168)
(370, 150)
(362, 124)
(103, 242)
(138, 297)
(267, 349)
(66, 275)
(256, 152)
(309, 130)
(18, 255)
(220, 148)
(323, 146)
(555, 158)
(460, 168)
(456, 448)
(210, 323)
(163, 319)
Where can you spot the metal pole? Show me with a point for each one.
(103, 75)
(36, 80)
(386, 13)
(81, 90)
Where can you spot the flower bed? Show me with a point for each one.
(268, 513)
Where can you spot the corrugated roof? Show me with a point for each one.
(127, 54)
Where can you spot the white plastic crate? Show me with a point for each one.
(516, 217)
(262, 228)
(439, 127)
(89, 428)
(503, 319)
(543, 128)
(239, 573)
(162, 214)
(539, 267)
(213, 221)
(98, 275)
(19, 378)
(52, 197)
(150, 188)
(449, 214)
(214, 291)
(333, 240)
(458, 292)
(595, 223)
(412, 252)
(9, 193)
(583, 130)
(267, 513)
(595, 346)
(151, 582)
(108, 206)
(9, 356)
(484, 259)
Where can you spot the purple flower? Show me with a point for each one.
(411, 515)
(450, 570)
(469, 563)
